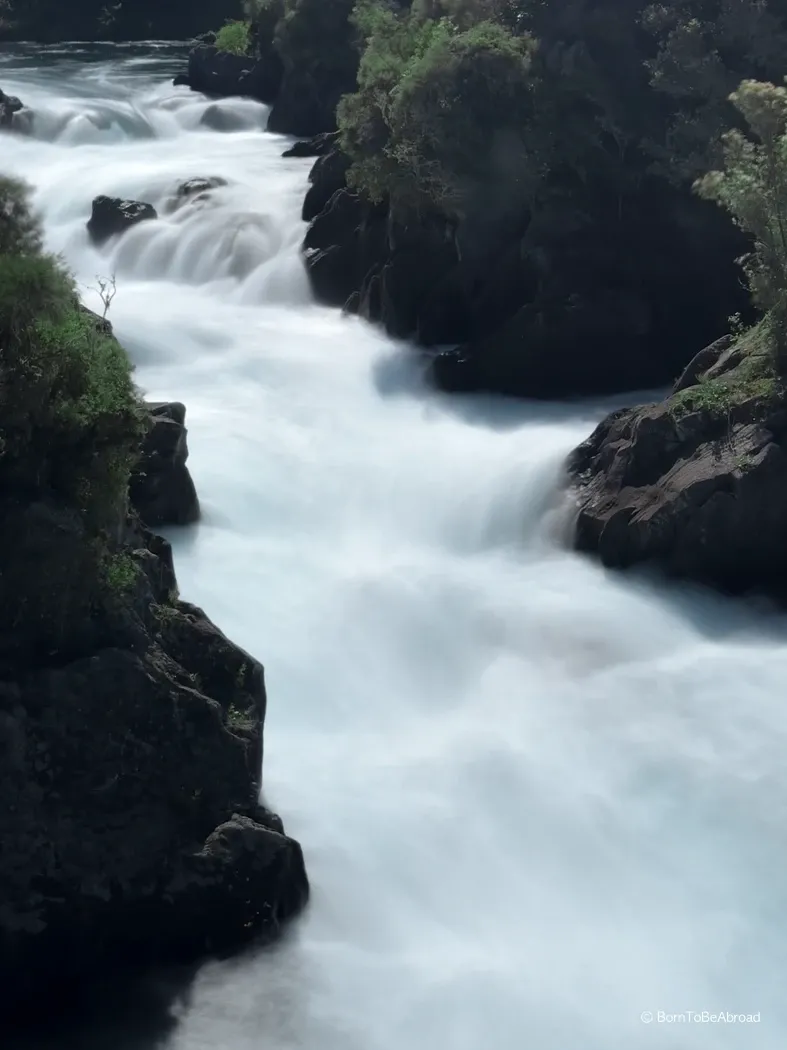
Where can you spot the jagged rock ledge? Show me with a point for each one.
(695, 484)
(131, 831)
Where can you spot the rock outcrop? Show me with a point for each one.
(219, 73)
(161, 489)
(131, 743)
(317, 146)
(695, 484)
(194, 191)
(130, 829)
(10, 107)
(300, 64)
(111, 216)
(508, 314)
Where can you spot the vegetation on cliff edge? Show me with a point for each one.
(71, 425)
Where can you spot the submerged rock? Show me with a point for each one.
(696, 484)
(112, 216)
(193, 190)
(162, 490)
(219, 118)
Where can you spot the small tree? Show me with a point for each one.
(753, 188)
(107, 290)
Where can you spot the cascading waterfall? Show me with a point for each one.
(537, 799)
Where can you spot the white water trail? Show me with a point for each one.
(536, 799)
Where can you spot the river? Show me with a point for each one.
(537, 800)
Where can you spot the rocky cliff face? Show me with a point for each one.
(131, 750)
(527, 319)
(695, 484)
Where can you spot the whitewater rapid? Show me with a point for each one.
(537, 800)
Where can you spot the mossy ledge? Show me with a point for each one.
(131, 831)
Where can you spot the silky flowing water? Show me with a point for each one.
(536, 799)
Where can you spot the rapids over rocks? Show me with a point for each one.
(536, 800)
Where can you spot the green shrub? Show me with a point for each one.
(119, 572)
(70, 418)
(71, 425)
(753, 187)
(234, 37)
(20, 231)
(440, 111)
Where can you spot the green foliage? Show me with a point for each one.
(70, 418)
(753, 374)
(704, 51)
(234, 38)
(119, 572)
(439, 108)
(71, 426)
(20, 232)
(753, 187)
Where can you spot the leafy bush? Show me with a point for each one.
(71, 426)
(753, 188)
(70, 418)
(234, 38)
(440, 111)
(20, 232)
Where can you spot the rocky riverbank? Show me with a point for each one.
(695, 484)
(603, 275)
(131, 728)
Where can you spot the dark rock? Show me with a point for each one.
(181, 80)
(131, 744)
(10, 106)
(219, 73)
(702, 362)
(328, 175)
(697, 487)
(193, 190)
(112, 216)
(314, 147)
(129, 827)
(338, 222)
(161, 490)
(577, 348)
(302, 107)
(332, 273)
(218, 118)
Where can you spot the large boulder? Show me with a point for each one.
(697, 483)
(161, 490)
(130, 827)
(112, 216)
(219, 73)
